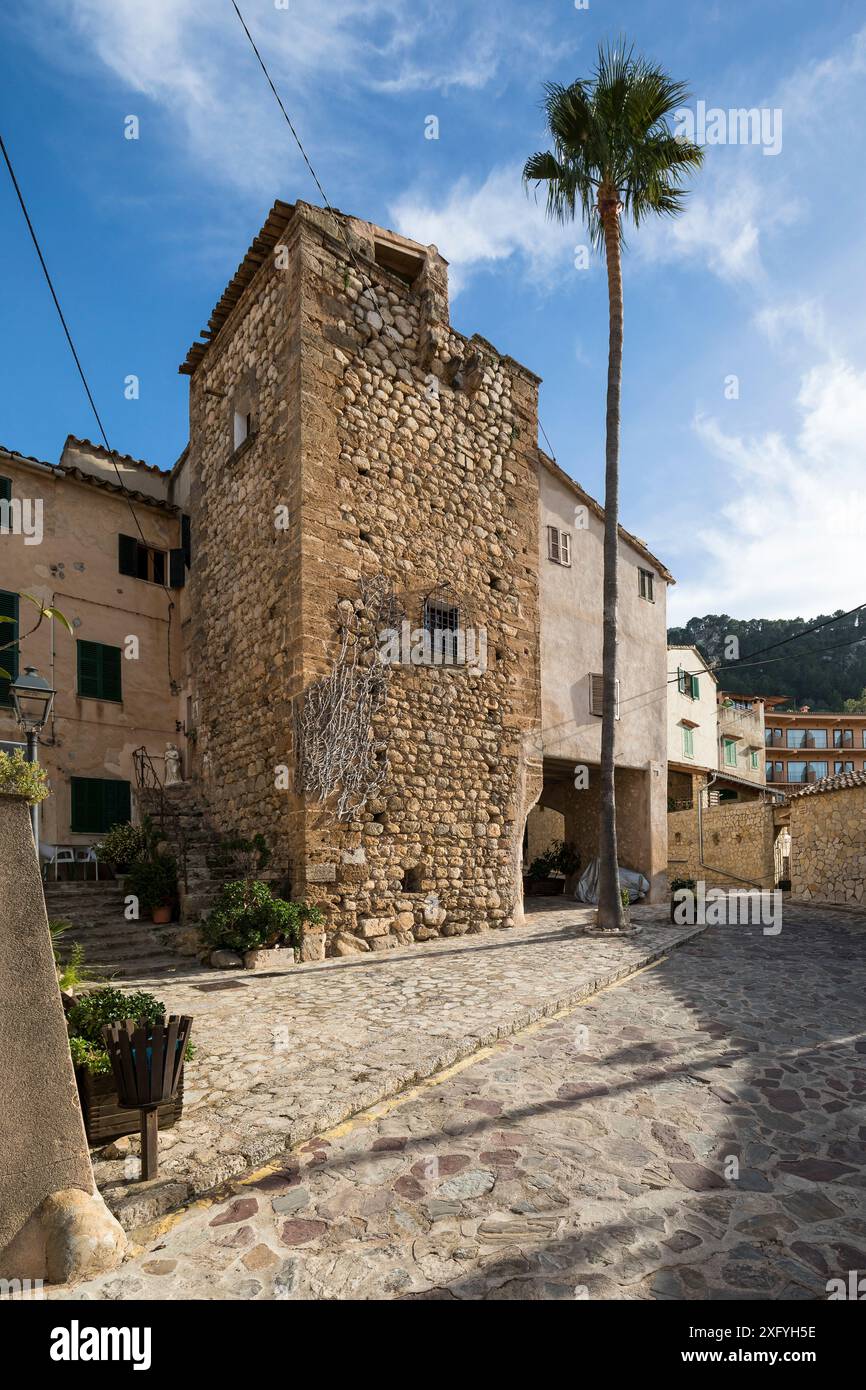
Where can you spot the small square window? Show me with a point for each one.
(558, 546)
(243, 426)
(645, 585)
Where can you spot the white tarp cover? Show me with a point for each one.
(587, 885)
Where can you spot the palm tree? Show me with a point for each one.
(614, 155)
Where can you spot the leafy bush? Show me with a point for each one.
(20, 778)
(559, 858)
(247, 915)
(123, 846)
(683, 883)
(153, 881)
(70, 972)
(93, 1010)
(246, 857)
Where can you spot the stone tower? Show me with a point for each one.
(356, 466)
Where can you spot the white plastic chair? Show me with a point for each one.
(86, 855)
(63, 854)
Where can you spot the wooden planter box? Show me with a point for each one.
(105, 1120)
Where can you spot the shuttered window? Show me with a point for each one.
(696, 689)
(688, 743)
(99, 671)
(5, 489)
(730, 753)
(558, 545)
(596, 695)
(8, 633)
(141, 561)
(98, 803)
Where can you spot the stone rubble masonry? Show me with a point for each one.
(828, 846)
(738, 844)
(384, 467)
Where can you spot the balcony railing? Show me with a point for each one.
(742, 723)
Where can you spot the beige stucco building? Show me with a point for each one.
(354, 463)
(70, 535)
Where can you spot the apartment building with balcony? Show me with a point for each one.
(715, 738)
(804, 747)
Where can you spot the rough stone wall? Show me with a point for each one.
(244, 584)
(828, 846)
(383, 467)
(738, 844)
(406, 475)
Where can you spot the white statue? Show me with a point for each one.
(173, 776)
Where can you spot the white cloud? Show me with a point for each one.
(723, 224)
(789, 539)
(478, 226)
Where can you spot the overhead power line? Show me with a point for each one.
(81, 372)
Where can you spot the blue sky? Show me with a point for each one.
(754, 502)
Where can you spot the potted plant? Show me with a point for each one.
(123, 846)
(20, 778)
(676, 885)
(247, 917)
(104, 1120)
(154, 882)
(548, 873)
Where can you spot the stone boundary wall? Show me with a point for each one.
(828, 846)
(738, 844)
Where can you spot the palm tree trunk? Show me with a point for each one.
(610, 913)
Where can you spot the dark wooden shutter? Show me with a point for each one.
(127, 555)
(98, 803)
(186, 538)
(5, 489)
(89, 670)
(111, 677)
(99, 672)
(176, 568)
(117, 803)
(8, 633)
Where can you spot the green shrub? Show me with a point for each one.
(153, 881)
(93, 1010)
(683, 883)
(123, 846)
(559, 858)
(20, 778)
(247, 915)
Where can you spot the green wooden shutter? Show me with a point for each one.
(730, 753)
(8, 633)
(5, 489)
(99, 675)
(696, 689)
(681, 680)
(98, 803)
(127, 555)
(688, 742)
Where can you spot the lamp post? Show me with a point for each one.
(32, 697)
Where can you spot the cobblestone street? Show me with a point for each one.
(697, 1131)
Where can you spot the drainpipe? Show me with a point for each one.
(714, 868)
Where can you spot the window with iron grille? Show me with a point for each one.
(442, 621)
(558, 545)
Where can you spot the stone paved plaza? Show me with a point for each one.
(697, 1131)
(284, 1055)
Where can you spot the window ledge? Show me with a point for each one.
(243, 446)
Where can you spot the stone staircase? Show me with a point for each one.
(196, 846)
(114, 948)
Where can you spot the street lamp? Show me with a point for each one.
(32, 698)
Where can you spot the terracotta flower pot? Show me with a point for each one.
(161, 914)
